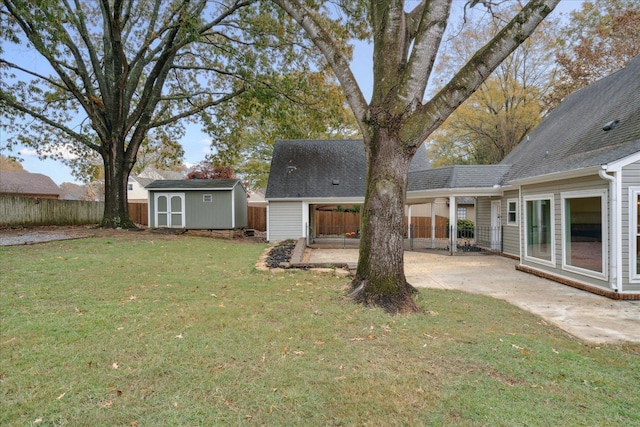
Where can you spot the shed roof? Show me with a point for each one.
(194, 184)
(322, 168)
(27, 183)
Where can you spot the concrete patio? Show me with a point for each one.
(591, 318)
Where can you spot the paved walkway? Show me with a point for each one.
(589, 317)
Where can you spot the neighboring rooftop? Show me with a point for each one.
(152, 174)
(27, 183)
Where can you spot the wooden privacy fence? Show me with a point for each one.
(139, 213)
(421, 226)
(28, 211)
(330, 223)
(256, 216)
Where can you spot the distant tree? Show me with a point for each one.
(72, 191)
(208, 170)
(306, 105)
(10, 164)
(161, 153)
(507, 106)
(601, 37)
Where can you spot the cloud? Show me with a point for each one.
(64, 151)
(27, 152)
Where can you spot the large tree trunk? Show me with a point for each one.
(116, 175)
(380, 279)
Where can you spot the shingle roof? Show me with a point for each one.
(142, 181)
(322, 168)
(193, 184)
(572, 136)
(27, 183)
(463, 176)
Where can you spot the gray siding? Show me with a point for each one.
(214, 215)
(510, 233)
(483, 211)
(240, 206)
(630, 178)
(556, 188)
(285, 220)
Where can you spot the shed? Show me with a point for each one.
(198, 204)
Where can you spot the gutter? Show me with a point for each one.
(614, 231)
(575, 173)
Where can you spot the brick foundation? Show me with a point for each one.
(578, 285)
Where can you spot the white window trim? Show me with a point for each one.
(605, 233)
(551, 198)
(512, 223)
(169, 212)
(634, 275)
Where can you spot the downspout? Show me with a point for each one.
(613, 232)
(520, 212)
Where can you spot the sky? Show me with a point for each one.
(196, 144)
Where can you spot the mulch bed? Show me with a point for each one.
(280, 253)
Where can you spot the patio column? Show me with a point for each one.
(453, 225)
(409, 231)
(433, 224)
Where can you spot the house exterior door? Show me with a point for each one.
(169, 210)
(496, 225)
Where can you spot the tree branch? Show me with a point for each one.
(428, 37)
(334, 56)
(45, 119)
(476, 70)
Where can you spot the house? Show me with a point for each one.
(197, 204)
(565, 201)
(136, 192)
(256, 199)
(307, 176)
(26, 184)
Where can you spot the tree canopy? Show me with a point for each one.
(508, 105)
(103, 77)
(601, 37)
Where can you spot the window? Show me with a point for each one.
(207, 198)
(512, 212)
(584, 232)
(539, 235)
(634, 222)
(130, 187)
(462, 213)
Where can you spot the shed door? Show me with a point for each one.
(169, 210)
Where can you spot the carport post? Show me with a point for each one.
(409, 228)
(453, 225)
(433, 225)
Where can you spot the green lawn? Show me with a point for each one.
(158, 331)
